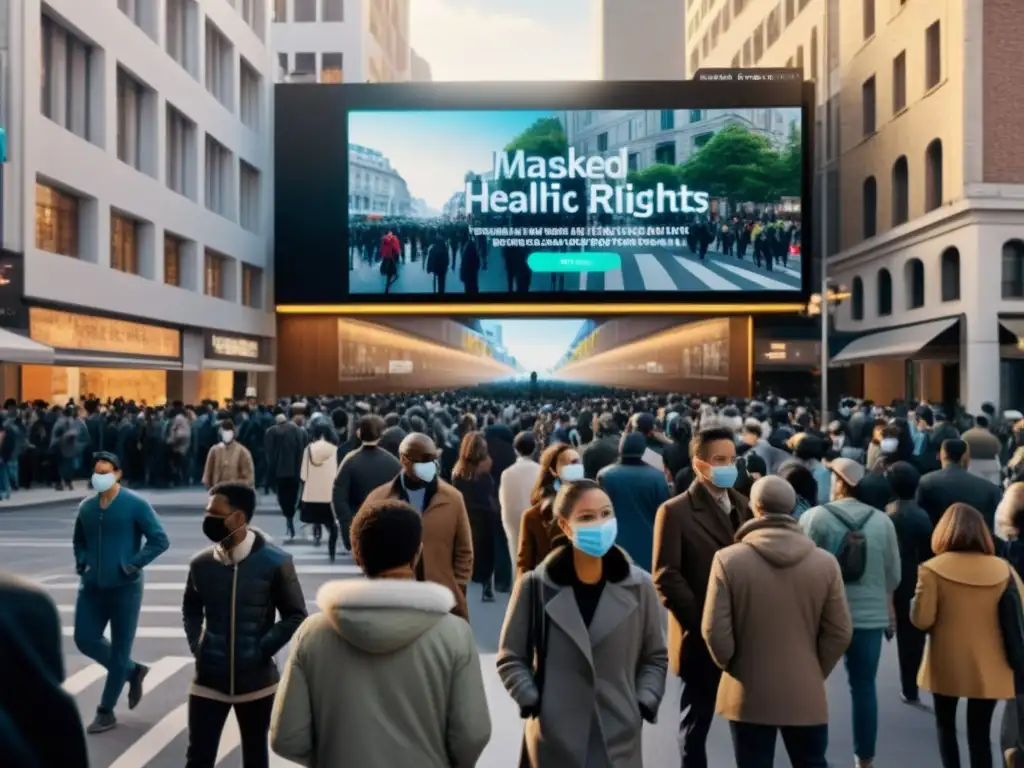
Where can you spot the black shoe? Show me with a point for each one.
(488, 596)
(104, 721)
(135, 685)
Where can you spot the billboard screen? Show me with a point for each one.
(542, 194)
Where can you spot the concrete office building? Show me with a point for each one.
(333, 41)
(421, 72)
(922, 155)
(138, 200)
(377, 188)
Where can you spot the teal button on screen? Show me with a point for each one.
(556, 261)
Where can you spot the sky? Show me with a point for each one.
(508, 39)
(433, 150)
(538, 344)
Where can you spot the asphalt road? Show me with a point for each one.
(36, 544)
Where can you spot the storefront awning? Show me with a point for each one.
(899, 342)
(237, 365)
(15, 348)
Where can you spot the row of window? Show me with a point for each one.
(143, 14)
(764, 36)
(932, 76)
(59, 227)
(331, 68)
(949, 266)
(309, 11)
(900, 197)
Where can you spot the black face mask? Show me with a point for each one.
(216, 529)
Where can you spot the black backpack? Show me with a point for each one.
(853, 549)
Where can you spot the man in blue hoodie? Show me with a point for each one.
(109, 558)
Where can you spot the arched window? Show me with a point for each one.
(933, 175)
(1013, 269)
(900, 191)
(913, 282)
(884, 292)
(870, 206)
(857, 299)
(951, 274)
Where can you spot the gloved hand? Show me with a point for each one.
(129, 570)
(647, 714)
(81, 568)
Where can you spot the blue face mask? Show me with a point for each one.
(724, 477)
(595, 539)
(103, 482)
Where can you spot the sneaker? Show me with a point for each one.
(135, 685)
(104, 721)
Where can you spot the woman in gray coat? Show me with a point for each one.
(584, 626)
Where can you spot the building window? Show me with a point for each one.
(280, 11)
(665, 154)
(900, 191)
(124, 244)
(913, 281)
(814, 53)
(1013, 269)
(758, 42)
(56, 221)
(250, 83)
(774, 28)
(857, 299)
(304, 11)
(870, 199)
(884, 293)
(252, 13)
(130, 95)
(899, 82)
(633, 161)
(705, 45)
(668, 120)
(800, 58)
(933, 175)
(694, 60)
(696, 115)
(602, 142)
(219, 65)
(305, 64)
(951, 274)
(333, 10)
(331, 68)
(747, 56)
(869, 18)
(180, 153)
(701, 139)
(932, 56)
(249, 197)
(213, 278)
(172, 260)
(252, 286)
(790, 12)
(66, 79)
(867, 95)
(182, 34)
(218, 177)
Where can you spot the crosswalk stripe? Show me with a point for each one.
(790, 272)
(155, 740)
(83, 678)
(613, 280)
(712, 280)
(150, 587)
(301, 568)
(654, 274)
(148, 633)
(754, 277)
(68, 608)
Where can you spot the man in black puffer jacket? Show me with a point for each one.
(236, 588)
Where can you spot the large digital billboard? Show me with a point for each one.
(579, 195)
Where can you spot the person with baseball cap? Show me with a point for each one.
(864, 539)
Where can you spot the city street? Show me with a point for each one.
(661, 270)
(36, 544)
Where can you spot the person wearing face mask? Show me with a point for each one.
(229, 461)
(560, 463)
(447, 557)
(109, 558)
(235, 591)
(599, 671)
(688, 530)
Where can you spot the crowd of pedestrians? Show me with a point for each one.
(747, 546)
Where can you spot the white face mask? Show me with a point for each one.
(227, 435)
(838, 441)
(889, 444)
(425, 470)
(571, 473)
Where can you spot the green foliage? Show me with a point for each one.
(669, 175)
(545, 138)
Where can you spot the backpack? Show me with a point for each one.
(853, 549)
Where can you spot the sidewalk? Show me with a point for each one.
(170, 498)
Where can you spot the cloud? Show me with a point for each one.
(463, 42)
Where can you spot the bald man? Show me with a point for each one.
(447, 557)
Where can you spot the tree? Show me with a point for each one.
(736, 165)
(669, 175)
(791, 164)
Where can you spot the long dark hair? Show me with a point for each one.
(473, 456)
(544, 488)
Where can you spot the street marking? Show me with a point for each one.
(654, 274)
(230, 738)
(83, 678)
(790, 272)
(712, 280)
(48, 579)
(68, 608)
(40, 543)
(754, 277)
(155, 740)
(147, 633)
(300, 568)
(613, 280)
(159, 587)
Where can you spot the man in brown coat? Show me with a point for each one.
(688, 530)
(776, 622)
(447, 557)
